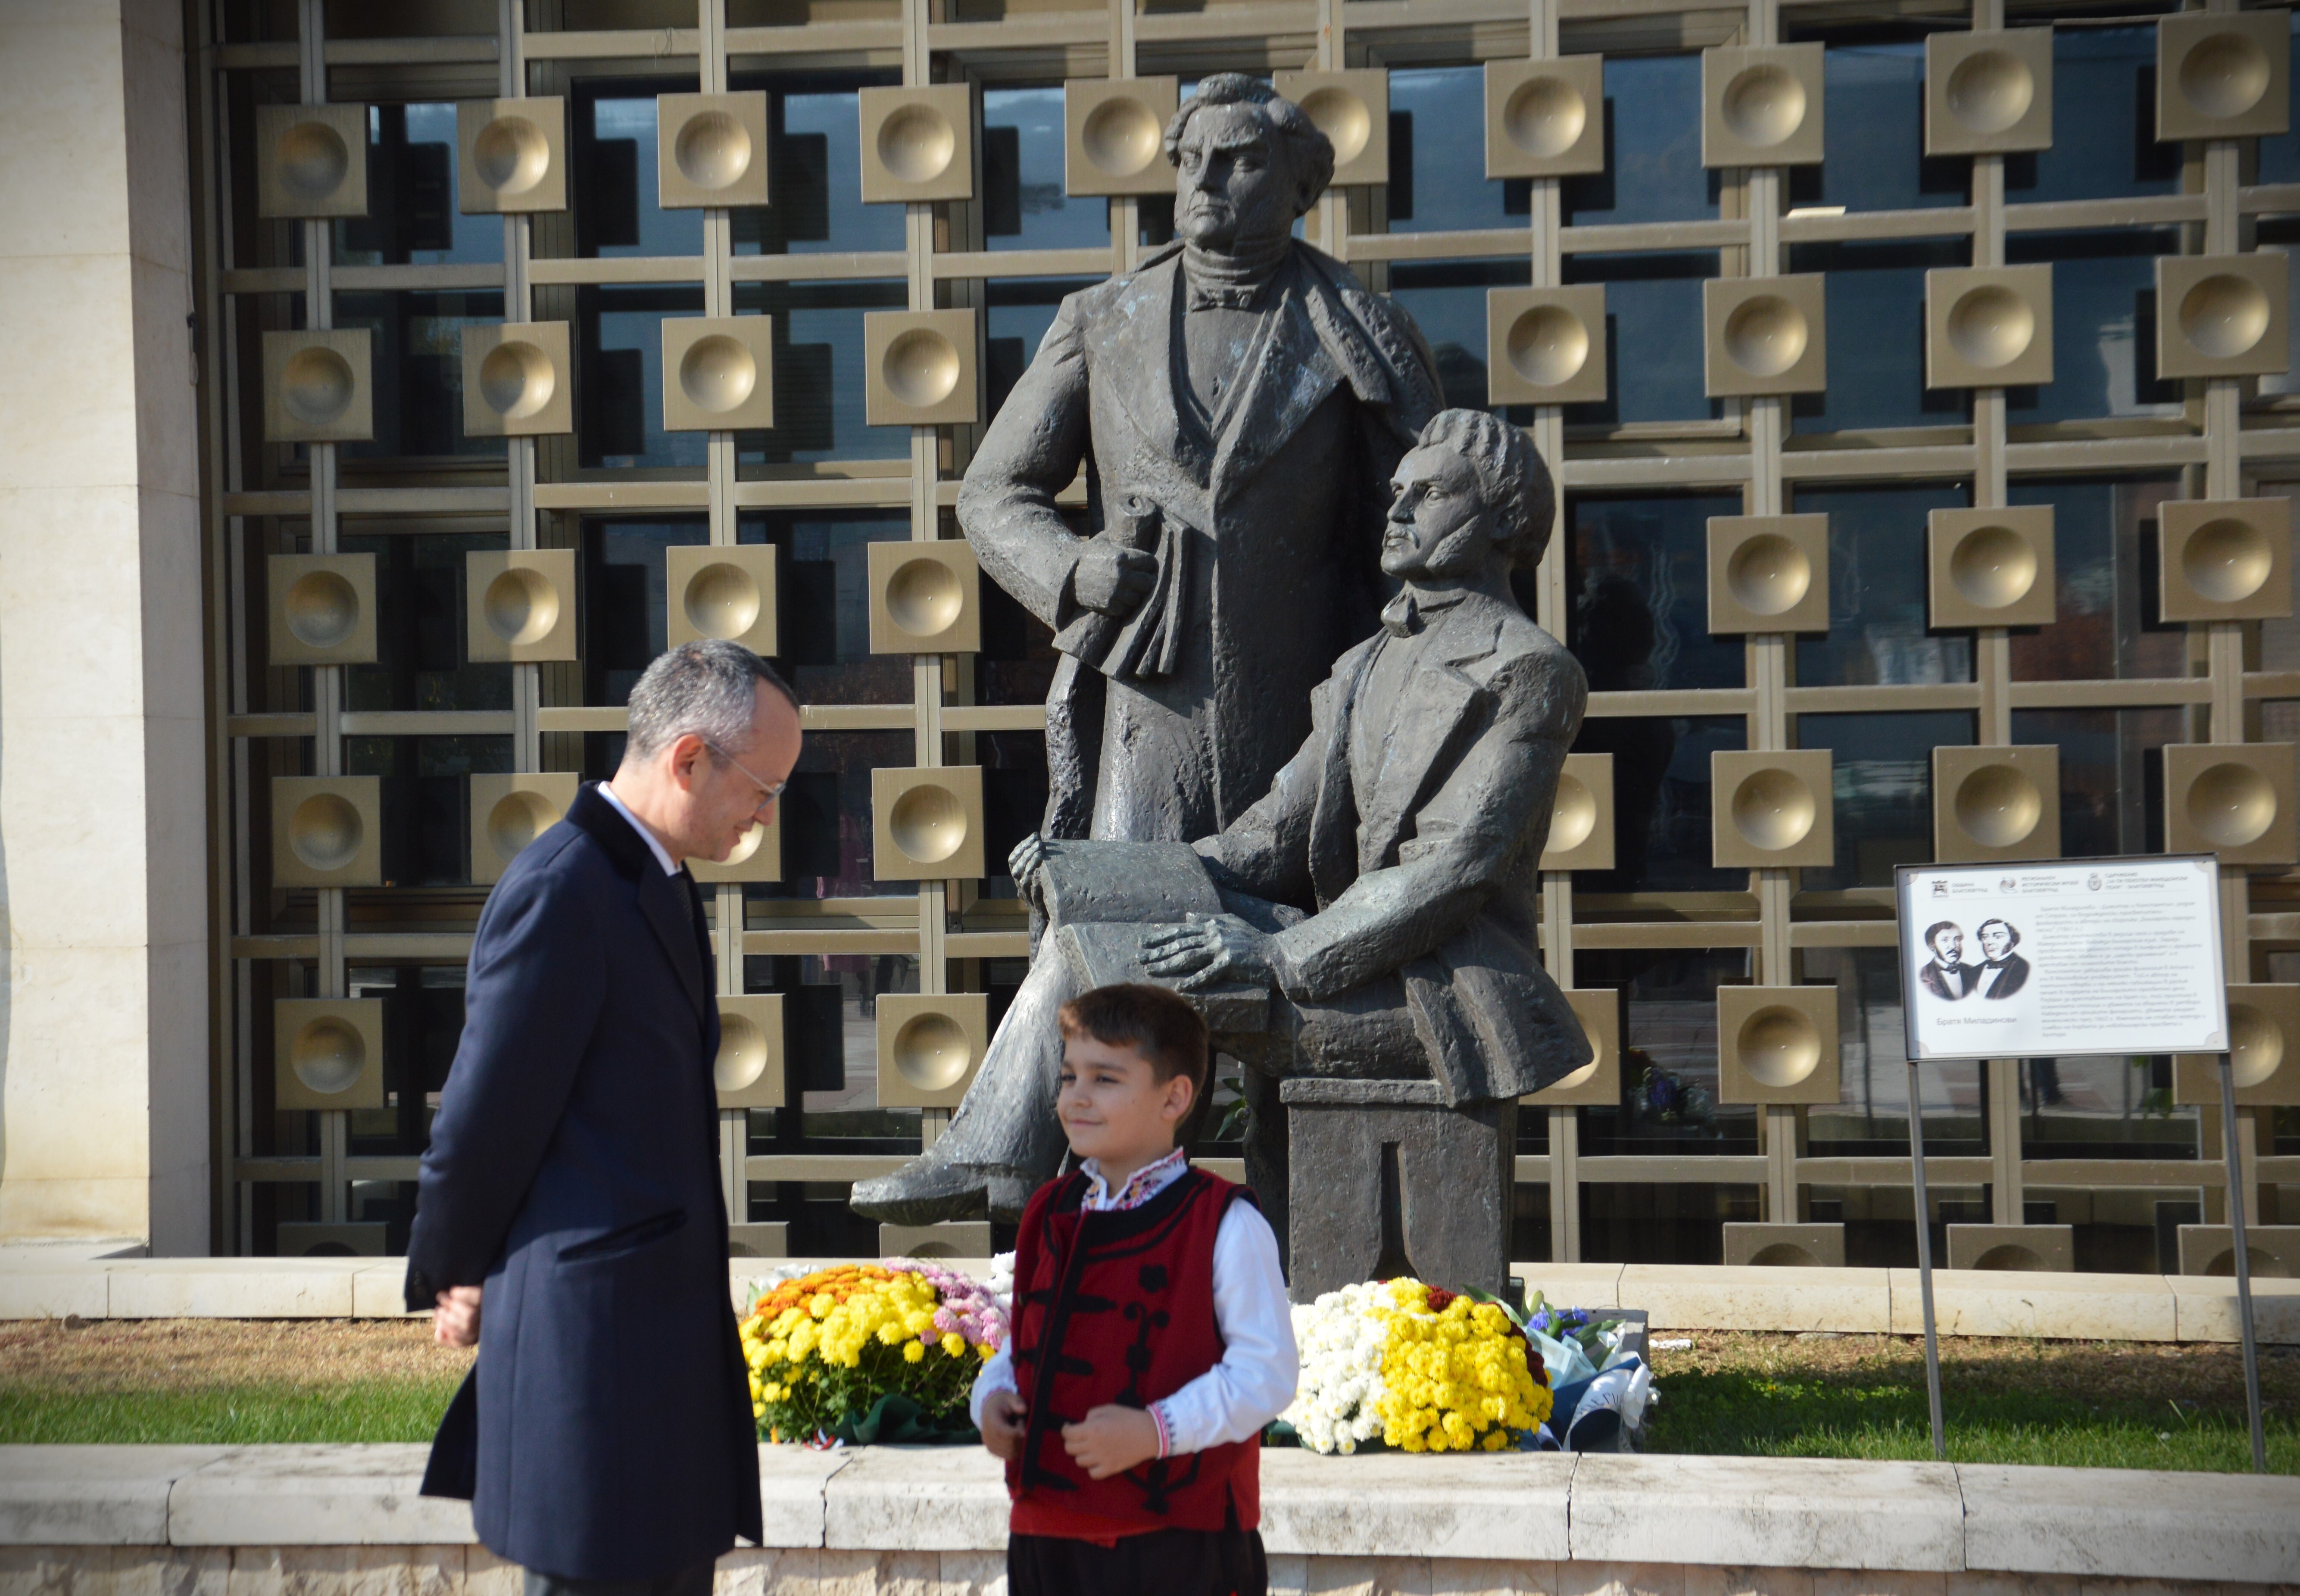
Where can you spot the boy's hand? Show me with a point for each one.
(1003, 1414)
(1111, 1440)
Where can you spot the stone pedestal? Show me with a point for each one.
(1386, 1180)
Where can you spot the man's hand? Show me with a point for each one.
(1111, 1440)
(1004, 1415)
(1112, 577)
(455, 1321)
(1211, 951)
(1023, 865)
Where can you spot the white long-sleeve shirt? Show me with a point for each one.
(1255, 1381)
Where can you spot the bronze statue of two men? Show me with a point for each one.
(1303, 744)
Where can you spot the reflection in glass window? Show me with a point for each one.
(814, 178)
(1020, 309)
(1652, 337)
(2112, 775)
(1639, 571)
(820, 404)
(2104, 122)
(2103, 326)
(1873, 97)
(823, 610)
(1437, 180)
(613, 163)
(1447, 301)
(1024, 205)
(2280, 157)
(828, 845)
(1669, 1053)
(412, 219)
(419, 638)
(425, 800)
(619, 332)
(2104, 577)
(626, 616)
(2113, 1107)
(416, 345)
(1652, 147)
(1874, 298)
(1881, 766)
(1871, 1116)
(1876, 634)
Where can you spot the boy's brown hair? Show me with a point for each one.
(1151, 1021)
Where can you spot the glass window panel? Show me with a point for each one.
(613, 164)
(819, 373)
(1661, 801)
(1639, 571)
(2112, 775)
(1875, 303)
(619, 332)
(1652, 337)
(1018, 658)
(826, 817)
(1653, 155)
(421, 661)
(2280, 157)
(823, 610)
(1876, 634)
(1873, 97)
(1881, 766)
(842, 1093)
(414, 217)
(1020, 311)
(1024, 205)
(1437, 155)
(1677, 1223)
(814, 182)
(625, 621)
(1447, 301)
(2103, 326)
(2104, 122)
(1015, 789)
(2104, 572)
(1871, 1119)
(424, 798)
(417, 367)
(2281, 233)
(1669, 1053)
(2114, 1108)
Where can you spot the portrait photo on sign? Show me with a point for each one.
(2062, 958)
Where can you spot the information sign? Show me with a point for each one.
(2062, 958)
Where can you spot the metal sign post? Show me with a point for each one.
(2101, 957)
(1925, 1265)
(2228, 1147)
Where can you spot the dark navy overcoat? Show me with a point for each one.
(606, 1431)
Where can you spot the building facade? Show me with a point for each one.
(1917, 376)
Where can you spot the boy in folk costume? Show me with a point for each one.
(1152, 1340)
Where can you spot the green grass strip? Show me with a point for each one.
(1743, 1414)
(234, 1415)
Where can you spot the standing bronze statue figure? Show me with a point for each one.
(1239, 403)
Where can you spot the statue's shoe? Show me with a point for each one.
(926, 1191)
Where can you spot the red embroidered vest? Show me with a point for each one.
(1119, 1307)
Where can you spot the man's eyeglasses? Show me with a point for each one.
(769, 790)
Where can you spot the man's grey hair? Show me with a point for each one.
(708, 689)
(1510, 475)
(1309, 152)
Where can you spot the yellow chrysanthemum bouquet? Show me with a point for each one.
(1421, 1369)
(869, 1352)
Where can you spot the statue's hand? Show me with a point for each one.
(1112, 578)
(1209, 951)
(1023, 864)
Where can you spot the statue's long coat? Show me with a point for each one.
(1285, 509)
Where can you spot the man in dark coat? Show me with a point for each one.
(2005, 972)
(571, 1184)
(1239, 404)
(1948, 976)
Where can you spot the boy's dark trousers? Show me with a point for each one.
(1169, 1562)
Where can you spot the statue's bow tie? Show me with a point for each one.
(1224, 297)
(1402, 616)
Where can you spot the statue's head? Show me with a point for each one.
(1247, 162)
(1471, 494)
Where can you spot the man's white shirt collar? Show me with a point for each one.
(661, 854)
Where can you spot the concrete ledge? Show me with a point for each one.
(2053, 1306)
(1522, 1523)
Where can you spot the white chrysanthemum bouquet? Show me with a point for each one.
(1337, 1403)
